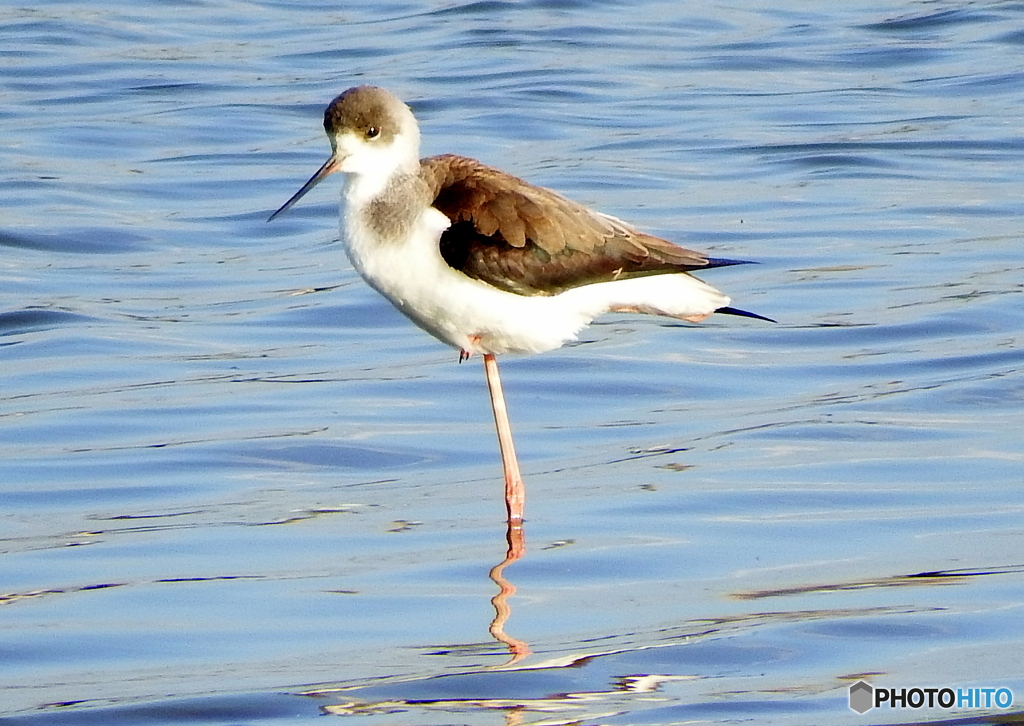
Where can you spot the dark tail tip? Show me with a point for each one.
(744, 314)
(723, 262)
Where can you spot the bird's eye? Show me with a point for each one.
(372, 132)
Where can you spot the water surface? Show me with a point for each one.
(238, 487)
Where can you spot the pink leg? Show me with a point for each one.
(515, 490)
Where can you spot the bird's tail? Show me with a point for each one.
(724, 262)
(743, 314)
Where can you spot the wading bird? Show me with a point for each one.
(486, 262)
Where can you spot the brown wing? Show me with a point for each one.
(532, 241)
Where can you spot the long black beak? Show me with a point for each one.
(330, 166)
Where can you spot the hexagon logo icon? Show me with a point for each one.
(862, 697)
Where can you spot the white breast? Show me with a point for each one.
(465, 313)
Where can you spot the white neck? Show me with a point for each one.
(369, 168)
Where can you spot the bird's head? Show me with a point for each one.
(373, 136)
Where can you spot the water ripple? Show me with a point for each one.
(230, 468)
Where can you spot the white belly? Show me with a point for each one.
(465, 313)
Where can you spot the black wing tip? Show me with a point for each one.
(744, 314)
(725, 262)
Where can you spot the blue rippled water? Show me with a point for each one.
(236, 486)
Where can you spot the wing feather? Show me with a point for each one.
(533, 241)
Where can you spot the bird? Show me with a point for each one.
(487, 262)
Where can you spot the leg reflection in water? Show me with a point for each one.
(502, 610)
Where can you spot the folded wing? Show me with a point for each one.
(531, 241)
